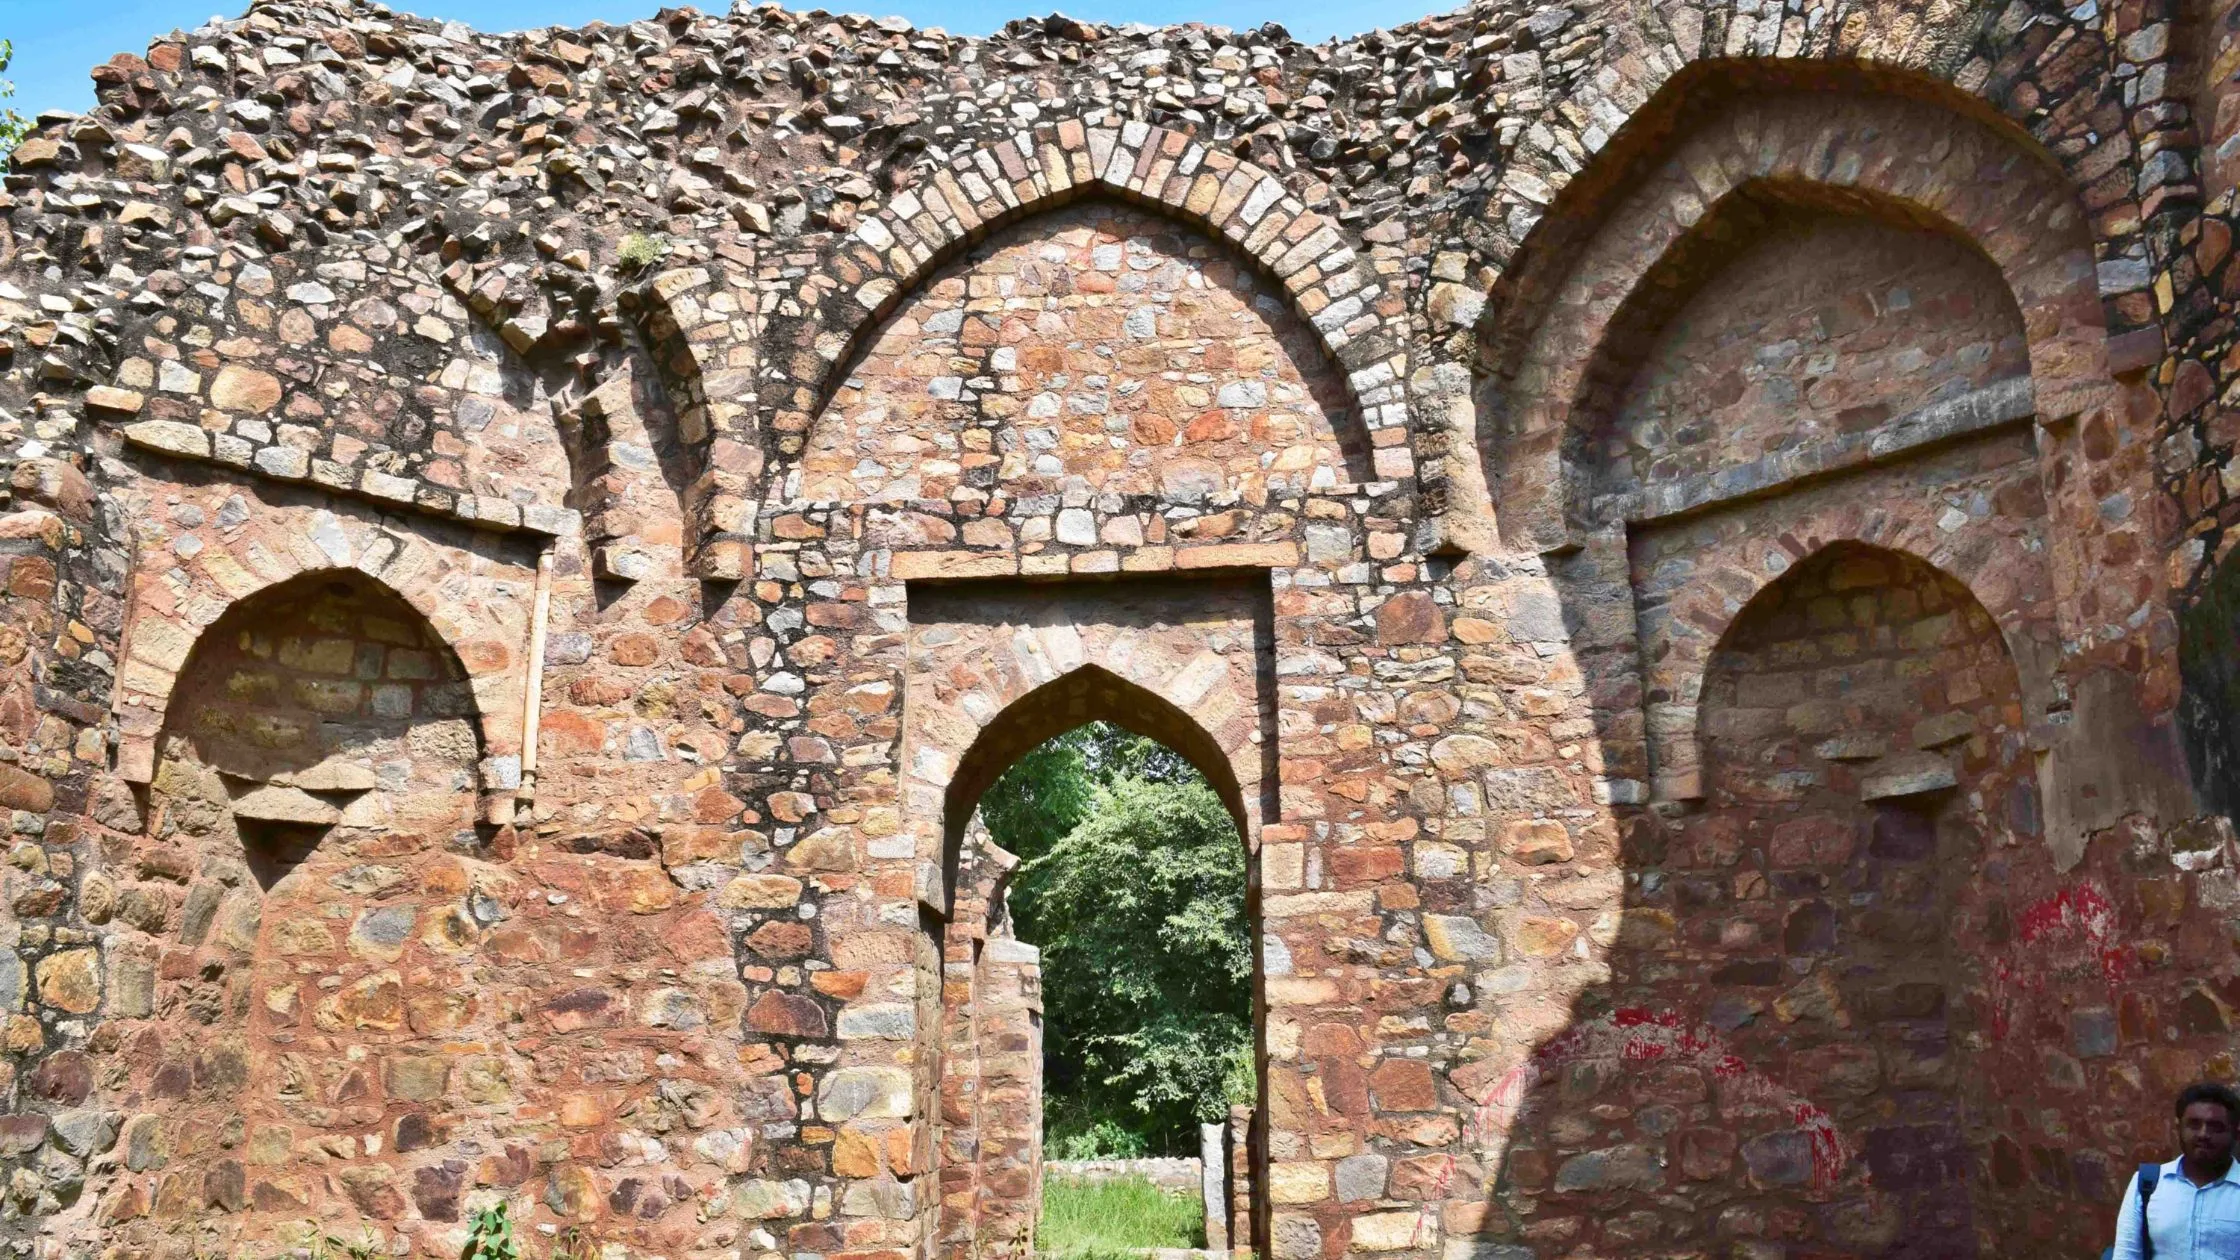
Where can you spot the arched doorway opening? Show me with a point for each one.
(2209, 711)
(1101, 993)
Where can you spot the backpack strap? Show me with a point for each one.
(2150, 1176)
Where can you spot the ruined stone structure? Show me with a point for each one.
(1694, 539)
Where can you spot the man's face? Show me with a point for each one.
(2206, 1130)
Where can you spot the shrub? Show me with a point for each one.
(1101, 1137)
(1146, 961)
(1132, 881)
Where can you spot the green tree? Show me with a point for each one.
(1132, 882)
(13, 126)
(1050, 790)
(1041, 797)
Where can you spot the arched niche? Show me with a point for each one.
(1797, 1024)
(1564, 337)
(1786, 339)
(1858, 672)
(749, 391)
(1573, 337)
(324, 702)
(472, 590)
(1095, 345)
(1868, 764)
(313, 797)
(1695, 583)
(922, 230)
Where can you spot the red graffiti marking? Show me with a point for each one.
(2081, 911)
(1636, 1034)
(1827, 1148)
(2071, 930)
(1426, 1216)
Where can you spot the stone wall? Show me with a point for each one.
(988, 1146)
(1644, 511)
(1822, 328)
(1174, 1175)
(1097, 349)
(1862, 723)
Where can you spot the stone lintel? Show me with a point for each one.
(497, 515)
(1907, 774)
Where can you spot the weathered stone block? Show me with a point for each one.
(1612, 1168)
(865, 1093)
(70, 981)
(1455, 938)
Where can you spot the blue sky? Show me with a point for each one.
(57, 41)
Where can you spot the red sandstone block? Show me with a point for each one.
(924, 565)
(1359, 865)
(1280, 555)
(1403, 1085)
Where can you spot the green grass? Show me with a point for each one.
(1094, 1220)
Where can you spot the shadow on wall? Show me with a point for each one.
(1870, 993)
(2209, 712)
(1851, 1007)
(325, 702)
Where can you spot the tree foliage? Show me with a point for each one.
(13, 126)
(1132, 881)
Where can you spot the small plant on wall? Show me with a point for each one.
(367, 1246)
(317, 1244)
(490, 1235)
(639, 250)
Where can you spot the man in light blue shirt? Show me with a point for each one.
(2193, 1211)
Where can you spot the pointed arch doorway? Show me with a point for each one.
(994, 670)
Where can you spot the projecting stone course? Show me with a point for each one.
(1693, 539)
